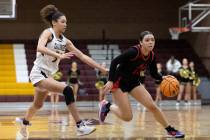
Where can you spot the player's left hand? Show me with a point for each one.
(107, 87)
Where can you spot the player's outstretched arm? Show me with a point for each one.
(86, 59)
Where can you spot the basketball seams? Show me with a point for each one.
(165, 84)
(175, 84)
(169, 89)
(168, 86)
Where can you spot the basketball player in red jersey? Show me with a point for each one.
(124, 78)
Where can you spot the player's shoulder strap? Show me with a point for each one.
(137, 47)
(152, 54)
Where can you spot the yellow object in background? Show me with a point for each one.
(8, 84)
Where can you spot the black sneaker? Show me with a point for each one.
(173, 133)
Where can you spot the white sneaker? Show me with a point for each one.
(177, 104)
(22, 133)
(83, 129)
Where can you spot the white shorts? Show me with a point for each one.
(37, 74)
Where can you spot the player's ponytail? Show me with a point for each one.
(50, 13)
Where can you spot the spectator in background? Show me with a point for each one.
(157, 83)
(173, 66)
(194, 81)
(101, 81)
(185, 87)
(54, 97)
(73, 78)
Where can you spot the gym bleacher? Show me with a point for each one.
(163, 49)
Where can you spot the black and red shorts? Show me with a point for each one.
(126, 84)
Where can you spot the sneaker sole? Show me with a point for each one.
(181, 136)
(87, 133)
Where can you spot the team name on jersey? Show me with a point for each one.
(59, 46)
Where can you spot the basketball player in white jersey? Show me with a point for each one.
(50, 50)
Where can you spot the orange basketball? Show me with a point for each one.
(169, 86)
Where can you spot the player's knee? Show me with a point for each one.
(128, 117)
(68, 94)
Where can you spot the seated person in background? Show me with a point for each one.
(73, 78)
(157, 83)
(173, 66)
(54, 97)
(101, 81)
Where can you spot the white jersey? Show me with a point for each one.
(47, 62)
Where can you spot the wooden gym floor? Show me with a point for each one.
(55, 123)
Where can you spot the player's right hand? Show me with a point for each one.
(67, 55)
